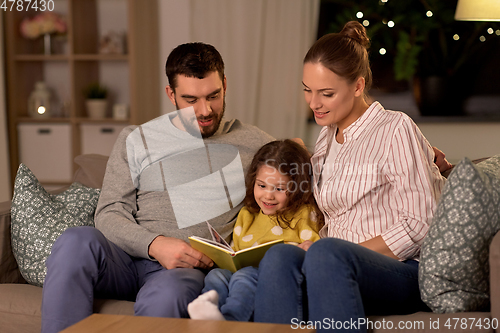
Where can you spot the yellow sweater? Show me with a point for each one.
(254, 229)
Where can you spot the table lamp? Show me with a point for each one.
(478, 10)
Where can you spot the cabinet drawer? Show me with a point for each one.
(46, 150)
(99, 139)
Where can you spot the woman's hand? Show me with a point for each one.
(378, 244)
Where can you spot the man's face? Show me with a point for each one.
(206, 96)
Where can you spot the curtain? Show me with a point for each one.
(5, 186)
(262, 43)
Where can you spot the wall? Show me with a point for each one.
(174, 30)
(457, 140)
(5, 186)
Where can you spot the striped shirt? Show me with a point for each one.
(383, 182)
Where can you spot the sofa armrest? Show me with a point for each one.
(9, 271)
(495, 276)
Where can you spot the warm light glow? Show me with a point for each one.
(429, 13)
(482, 39)
(382, 51)
(41, 110)
(478, 10)
(384, 0)
(497, 32)
(366, 23)
(359, 14)
(390, 24)
(490, 31)
(456, 37)
(384, 21)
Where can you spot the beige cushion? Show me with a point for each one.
(20, 308)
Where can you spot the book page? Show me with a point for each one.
(216, 237)
(213, 243)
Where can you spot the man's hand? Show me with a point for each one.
(174, 253)
(441, 161)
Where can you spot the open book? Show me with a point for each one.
(224, 256)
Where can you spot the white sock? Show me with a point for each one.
(206, 307)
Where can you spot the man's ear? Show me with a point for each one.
(225, 84)
(360, 86)
(171, 94)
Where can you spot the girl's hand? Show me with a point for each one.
(305, 245)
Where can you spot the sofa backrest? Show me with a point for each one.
(9, 272)
(91, 169)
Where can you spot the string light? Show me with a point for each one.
(497, 32)
(366, 23)
(384, 21)
(456, 37)
(490, 31)
(359, 14)
(390, 24)
(482, 39)
(382, 51)
(429, 13)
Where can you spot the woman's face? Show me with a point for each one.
(331, 97)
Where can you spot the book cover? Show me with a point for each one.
(223, 255)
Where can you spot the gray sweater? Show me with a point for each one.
(158, 182)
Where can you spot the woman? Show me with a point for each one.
(377, 185)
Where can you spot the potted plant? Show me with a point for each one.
(96, 101)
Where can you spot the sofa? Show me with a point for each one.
(20, 302)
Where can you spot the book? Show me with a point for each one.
(224, 256)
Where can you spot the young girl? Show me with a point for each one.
(375, 181)
(279, 204)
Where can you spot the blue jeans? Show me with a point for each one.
(84, 265)
(334, 281)
(236, 291)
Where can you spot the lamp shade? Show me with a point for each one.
(478, 10)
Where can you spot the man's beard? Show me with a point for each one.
(194, 129)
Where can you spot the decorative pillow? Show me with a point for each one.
(454, 270)
(38, 218)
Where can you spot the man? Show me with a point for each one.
(155, 194)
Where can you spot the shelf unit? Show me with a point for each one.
(132, 78)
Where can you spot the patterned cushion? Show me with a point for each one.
(454, 270)
(38, 218)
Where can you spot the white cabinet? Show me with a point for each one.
(44, 148)
(99, 138)
(132, 78)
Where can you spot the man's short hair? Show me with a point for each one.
(193, 60)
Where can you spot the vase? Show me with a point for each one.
(39, 101)
(96, 108)
(47, 44)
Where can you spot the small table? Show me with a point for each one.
(103, 323)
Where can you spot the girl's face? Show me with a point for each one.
(270, 190)
(331, 97)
